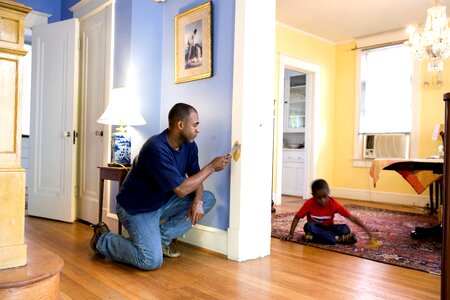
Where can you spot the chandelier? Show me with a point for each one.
(434, 43)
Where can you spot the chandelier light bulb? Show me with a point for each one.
(434, 42)
(411, 30)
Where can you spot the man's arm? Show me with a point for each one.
(196, 211)
(192, 183)
(195, 184)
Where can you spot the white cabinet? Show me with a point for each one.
(293, 172)
(295, 104)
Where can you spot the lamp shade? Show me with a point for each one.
(121, 110)
(437, 131)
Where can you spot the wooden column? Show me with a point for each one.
(36, 273)
(445, 265)
(13, 250)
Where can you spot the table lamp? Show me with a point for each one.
(438, 131)
(121, 111)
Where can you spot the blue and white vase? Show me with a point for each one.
(121, 148)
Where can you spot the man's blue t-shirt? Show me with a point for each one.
(157, 171)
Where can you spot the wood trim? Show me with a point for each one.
(13, 256)
(13, 51)
(205, 237)
(381, 197)
(82, 11)
(93, 12)
(9, 170)
(41, 276)
(13, 5)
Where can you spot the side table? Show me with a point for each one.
(113, 174)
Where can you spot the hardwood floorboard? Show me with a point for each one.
(292, 271)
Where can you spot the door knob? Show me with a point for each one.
(99, 133)
(67, 133)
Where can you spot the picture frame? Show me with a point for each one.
(193, 44)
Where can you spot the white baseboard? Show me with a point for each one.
(207, 237)
(385, 197)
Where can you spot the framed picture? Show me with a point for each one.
(193, 52)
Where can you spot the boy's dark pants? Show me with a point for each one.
(325, 234)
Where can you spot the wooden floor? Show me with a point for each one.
(292, 271)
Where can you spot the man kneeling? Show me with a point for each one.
(162, 196)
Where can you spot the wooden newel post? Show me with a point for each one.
(445, 265)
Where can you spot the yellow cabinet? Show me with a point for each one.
(12, 175)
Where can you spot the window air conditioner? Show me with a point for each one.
(386, 146)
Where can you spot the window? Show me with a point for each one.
(386, 90)
(385, 98)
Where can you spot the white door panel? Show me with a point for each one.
(95, 85)
(54, 109)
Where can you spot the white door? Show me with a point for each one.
(95, 35)
(54, 88)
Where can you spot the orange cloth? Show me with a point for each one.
(419, 180)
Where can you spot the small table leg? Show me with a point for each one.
(100, 200)
(431, 199)
(113, 174)
(422, 232)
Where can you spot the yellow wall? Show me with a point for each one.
(300, 46)
(337, 111)
(344, 174)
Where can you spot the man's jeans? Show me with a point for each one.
(143, 248)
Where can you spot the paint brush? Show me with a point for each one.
(374, 244)
(235, 151)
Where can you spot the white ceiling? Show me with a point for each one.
(344, 20)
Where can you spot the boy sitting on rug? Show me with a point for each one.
(320, 227)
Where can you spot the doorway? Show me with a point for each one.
(296, 94)
(299, 126)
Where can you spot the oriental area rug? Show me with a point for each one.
(392, 228)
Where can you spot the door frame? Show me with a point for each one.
(311, 148)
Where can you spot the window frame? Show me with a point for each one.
(358, 138)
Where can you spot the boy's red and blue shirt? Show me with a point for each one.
(323, 214)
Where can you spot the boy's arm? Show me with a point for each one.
(290, 235)
(358, 222)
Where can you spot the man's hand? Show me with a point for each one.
(287, 237)
(220, 162)
(196, 212)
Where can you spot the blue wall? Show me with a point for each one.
(59, 10)
(65, 5)
(212, 97)
(151, 76)
(49, 7)
(122, 42)
(144, 60)
(145, 65)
